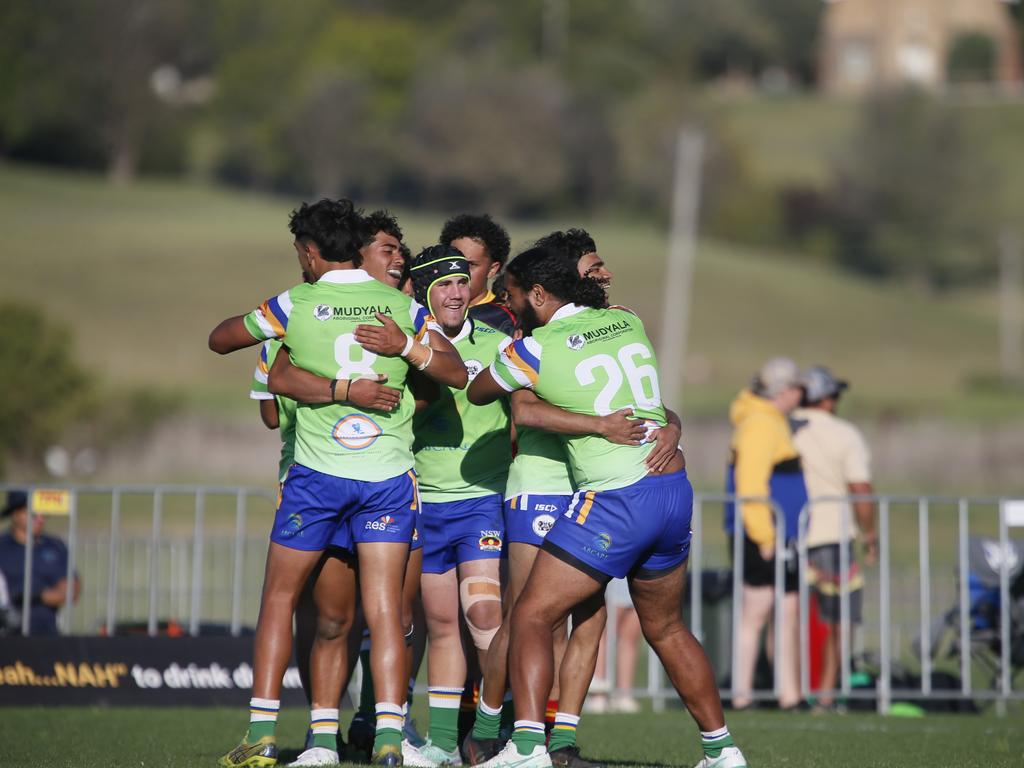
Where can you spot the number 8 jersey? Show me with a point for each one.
(593, 361)
(317, 323)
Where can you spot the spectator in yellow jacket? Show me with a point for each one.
(765, 468)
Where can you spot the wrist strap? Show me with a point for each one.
(408, 345)
(334, 385)
(426, 362)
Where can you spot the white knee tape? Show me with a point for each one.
(477, 589)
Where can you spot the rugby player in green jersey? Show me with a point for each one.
(624, 520)
(462, 457)
(540, 489)
(485, 244)
(353, 466)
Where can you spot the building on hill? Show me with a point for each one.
(871, 44)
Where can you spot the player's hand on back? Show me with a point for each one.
(385, 339)
(666, 443)
(371, 394)
(620, 427)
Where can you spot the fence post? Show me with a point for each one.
(30, 540)
(924, 580)
(737, 589)
(885, 642)
(115, 543)
(805, 607)
(1005, 678)
(963, 542)
(68, 614)
(696, 570)
(779, 609)
(845, 624)
(154, 562)
(236, 579)
(197, 564)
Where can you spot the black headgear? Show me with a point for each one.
(436, 262)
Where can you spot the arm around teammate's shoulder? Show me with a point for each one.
(231, 335)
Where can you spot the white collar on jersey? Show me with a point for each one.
(345, 276)
(566, 310)
(467, 326)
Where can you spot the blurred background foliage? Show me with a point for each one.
(545, 113)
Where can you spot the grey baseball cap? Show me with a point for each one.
(819, 383)
(775, 376)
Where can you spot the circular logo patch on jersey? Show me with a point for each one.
(542, 524)
(356, 432)
(575, 342)
(322, 312)
(473, 368)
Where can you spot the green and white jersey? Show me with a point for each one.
(462, 450)
(540, 466)
(317, 323)
(285, 405)
(592, 361)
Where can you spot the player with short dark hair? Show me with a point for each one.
(485, 245)
(353, 467)
(624, 520)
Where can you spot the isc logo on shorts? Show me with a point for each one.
(356, 432)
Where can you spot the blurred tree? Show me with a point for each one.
(44, 388)
(972, 59)
(81, 70)
(913, 197)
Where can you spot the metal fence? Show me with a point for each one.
(158, 559)
(192, 557)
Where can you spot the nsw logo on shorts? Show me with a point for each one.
(386, 523)
(542, 524)
(575, 342)
(356, 432)
(322, 312)
(490, 541)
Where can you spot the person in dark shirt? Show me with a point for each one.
(49, 566)
(485, 245)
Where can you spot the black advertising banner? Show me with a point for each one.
(131, 671)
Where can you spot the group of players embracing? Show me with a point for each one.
(499, 457)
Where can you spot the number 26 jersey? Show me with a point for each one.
(590, 361)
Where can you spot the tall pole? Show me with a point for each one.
(555, 29)
(675, 314)
(1011, 306)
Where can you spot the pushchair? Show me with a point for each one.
(984, 560)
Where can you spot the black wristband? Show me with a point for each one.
(334, 385)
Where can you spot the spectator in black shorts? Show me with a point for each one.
(765, 468)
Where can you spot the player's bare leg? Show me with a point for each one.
(412, 615)
(286, 573)
(659, 606)
(531, 653)
(382, 571)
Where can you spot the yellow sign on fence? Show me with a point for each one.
(49, 502)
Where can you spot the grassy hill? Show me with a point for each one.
(143, 273)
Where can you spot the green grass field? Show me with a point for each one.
(143, 273)
(187, 738)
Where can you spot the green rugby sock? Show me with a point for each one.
(262, 718)
(444, 715)
(715, 741)
(527, 736)
(488, 721)
(563, 733)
